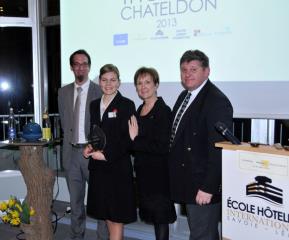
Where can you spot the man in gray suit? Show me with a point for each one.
(73, 103)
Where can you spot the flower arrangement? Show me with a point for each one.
(16, 212)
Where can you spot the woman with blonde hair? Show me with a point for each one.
(110, 190)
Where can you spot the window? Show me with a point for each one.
(53, 8)
(53, 66)
(16, 75)
(14, 8)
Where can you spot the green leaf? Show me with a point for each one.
(25, 216)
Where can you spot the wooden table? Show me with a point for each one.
(39, 180)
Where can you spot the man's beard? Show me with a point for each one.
(80, 78)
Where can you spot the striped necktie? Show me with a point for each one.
(75, 129)
(179, 117)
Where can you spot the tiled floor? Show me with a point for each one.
(134, 231)
(8, 232)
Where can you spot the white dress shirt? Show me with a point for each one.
(103, 107)
(194, 94)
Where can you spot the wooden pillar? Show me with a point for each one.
(39, 181)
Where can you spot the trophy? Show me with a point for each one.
(97, 138)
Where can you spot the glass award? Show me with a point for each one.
(97, 138)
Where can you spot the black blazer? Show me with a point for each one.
(194, 161)
(114, 123)
(110, 189)
(151, 146)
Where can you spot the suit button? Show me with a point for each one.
(183, 164)
(194, 133)
(189, 149)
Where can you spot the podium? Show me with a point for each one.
(39, 181)
(255, 192)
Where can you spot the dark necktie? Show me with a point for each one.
(75, 129)
(179, 116)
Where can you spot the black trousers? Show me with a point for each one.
(203, 221)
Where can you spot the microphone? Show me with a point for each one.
(223, 129)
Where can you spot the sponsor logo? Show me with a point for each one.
(262, 188)
(120, 39)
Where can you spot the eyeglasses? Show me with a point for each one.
(79, 65)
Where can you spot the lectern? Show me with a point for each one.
(39, 181)
(255, 192)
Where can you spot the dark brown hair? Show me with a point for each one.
(80, 51)
(198, 55)
(150, 71)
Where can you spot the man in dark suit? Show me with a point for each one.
(76, 126)
(194, 161)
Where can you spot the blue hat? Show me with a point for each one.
(32, 132)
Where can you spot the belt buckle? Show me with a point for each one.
(78, 145)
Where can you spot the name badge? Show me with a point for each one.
(111, 114)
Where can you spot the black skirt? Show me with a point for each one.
(111, 194)
(154, 201)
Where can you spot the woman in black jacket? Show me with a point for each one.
(149, 130)
(111, 194)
